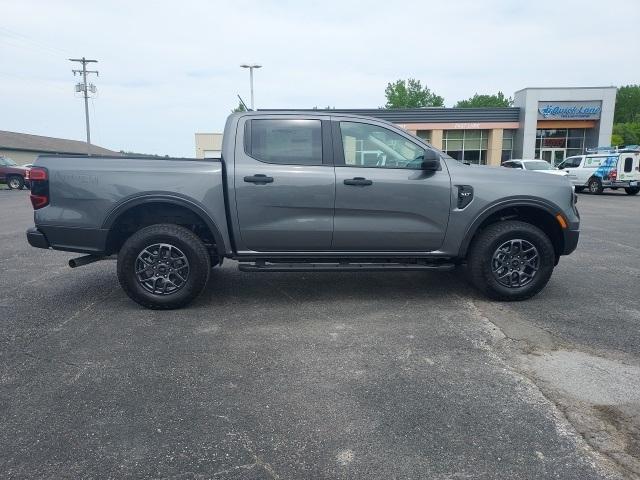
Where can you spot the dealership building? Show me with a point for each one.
(547, 123)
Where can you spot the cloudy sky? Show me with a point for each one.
(169, 69)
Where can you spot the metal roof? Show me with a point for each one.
(39, 143)
(427, 115)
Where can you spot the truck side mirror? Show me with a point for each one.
(431, 161)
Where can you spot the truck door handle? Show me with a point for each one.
(361, 181)
(259, 178)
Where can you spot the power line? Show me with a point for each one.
(84, 88)
(31, 42)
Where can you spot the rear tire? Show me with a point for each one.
(632, 190)
(15, 182)
(490, 262)
(595, 186)
(163, 266)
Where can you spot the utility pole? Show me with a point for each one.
(84, 88)
(251, 67)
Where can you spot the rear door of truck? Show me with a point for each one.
(629, 168)
(284, 183)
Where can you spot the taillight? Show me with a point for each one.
(39, 180)
(38, 173)
(613, 175)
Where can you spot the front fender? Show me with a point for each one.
(503, 204)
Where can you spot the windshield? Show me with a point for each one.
(8, 162)
(541, 165)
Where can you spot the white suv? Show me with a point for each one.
(597, 172)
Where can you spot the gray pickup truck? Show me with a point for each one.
(296, 191)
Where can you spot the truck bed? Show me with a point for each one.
(88, 191)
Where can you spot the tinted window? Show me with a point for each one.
(628, 164)
(292, 142)
(572, 162)
(368, 145)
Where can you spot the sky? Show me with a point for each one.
(169, 69)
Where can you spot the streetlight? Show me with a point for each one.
(251, 67)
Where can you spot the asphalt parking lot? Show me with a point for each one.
(290, 375)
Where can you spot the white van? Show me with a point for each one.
(599, 171)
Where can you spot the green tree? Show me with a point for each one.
(617, 139)
(239, 108)
(411, 94)
(478, 101)
(627, 104)
(629, 133)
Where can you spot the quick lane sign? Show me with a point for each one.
(569, 110)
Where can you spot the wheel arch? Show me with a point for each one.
(154, 202)
(534, 211)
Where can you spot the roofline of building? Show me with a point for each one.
(48, 152)
(79, 143)
(339, 110)
(411, 115)
(566, 88)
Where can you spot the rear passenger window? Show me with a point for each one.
(593, 162)
(628, 164)
(290, 142)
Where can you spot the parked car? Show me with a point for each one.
(540, 166)
(298, 192)
(12, 174)
(599, 171)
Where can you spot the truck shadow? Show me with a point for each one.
(227, 284)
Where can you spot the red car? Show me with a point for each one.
(12, 174)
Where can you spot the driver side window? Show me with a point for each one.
(373, 146)
(572, 162)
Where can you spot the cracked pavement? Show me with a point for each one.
(323, 375)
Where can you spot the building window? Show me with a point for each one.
(424, 135)
(507, 144)
(466, 145)
(569, 139)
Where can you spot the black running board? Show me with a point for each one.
(341, 267)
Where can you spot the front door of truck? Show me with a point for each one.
(284, 184)
(384, 200)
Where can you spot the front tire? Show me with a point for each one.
(595, 186)
(163, 266)
(511, 260)
(632, 190)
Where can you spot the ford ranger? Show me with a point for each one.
(300, 191)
